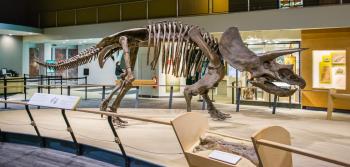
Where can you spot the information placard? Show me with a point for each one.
(56, 101)
(225, 157)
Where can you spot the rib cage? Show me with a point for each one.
(83, 57)
(179, 55)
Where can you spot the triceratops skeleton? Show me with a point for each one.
(178, 44)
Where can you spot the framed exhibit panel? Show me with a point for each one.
(290, 3)
(329, 69)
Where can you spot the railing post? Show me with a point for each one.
(41, 83)
(269, 99)
(103, 92)
(274, 104)
(70, 130)
(233, 92)
(171, 96)
(32, 122)
(85, 87)
(238, 99)
(5, 91)
(25, 87)
(68, 90)
(2, 136)
(330, 105)
(290, 102)
(61, 82)
(137, 97)
(117, 140)
(48, 86)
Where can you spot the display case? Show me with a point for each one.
(329, 69)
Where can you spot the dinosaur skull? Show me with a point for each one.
(263, 68)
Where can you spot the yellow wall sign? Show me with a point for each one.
(331, 69)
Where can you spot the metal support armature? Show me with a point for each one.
(238, 99)
(32, 122)
(274, 104)
(117, 140)
(69, 129)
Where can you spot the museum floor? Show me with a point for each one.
(19, 155)
(157, 143)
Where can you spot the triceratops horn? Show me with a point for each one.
(268, 56)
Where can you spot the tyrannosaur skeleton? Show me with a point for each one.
(186, 47)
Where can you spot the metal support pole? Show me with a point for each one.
(70, 130)
(137, 97)
(39, 92)
(171, 96)
(41, 83)
(238, 99)
(203, 104)
(2, 136)
(25, 86)
(233, 92)
(212, 95)
(290, 102)
(5, 91)
(68, 90)
(117, 140)
(274, 104)
(48, 85)
(85, 88)
(103, 92)
(61, 82)
(32, 122)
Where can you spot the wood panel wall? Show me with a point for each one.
(325, 39)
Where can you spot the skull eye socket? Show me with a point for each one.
(267, 65)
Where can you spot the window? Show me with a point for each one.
(290, 3)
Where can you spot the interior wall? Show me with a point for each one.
(324, 39)
(11, 53)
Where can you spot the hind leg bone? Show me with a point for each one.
(214, 75)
